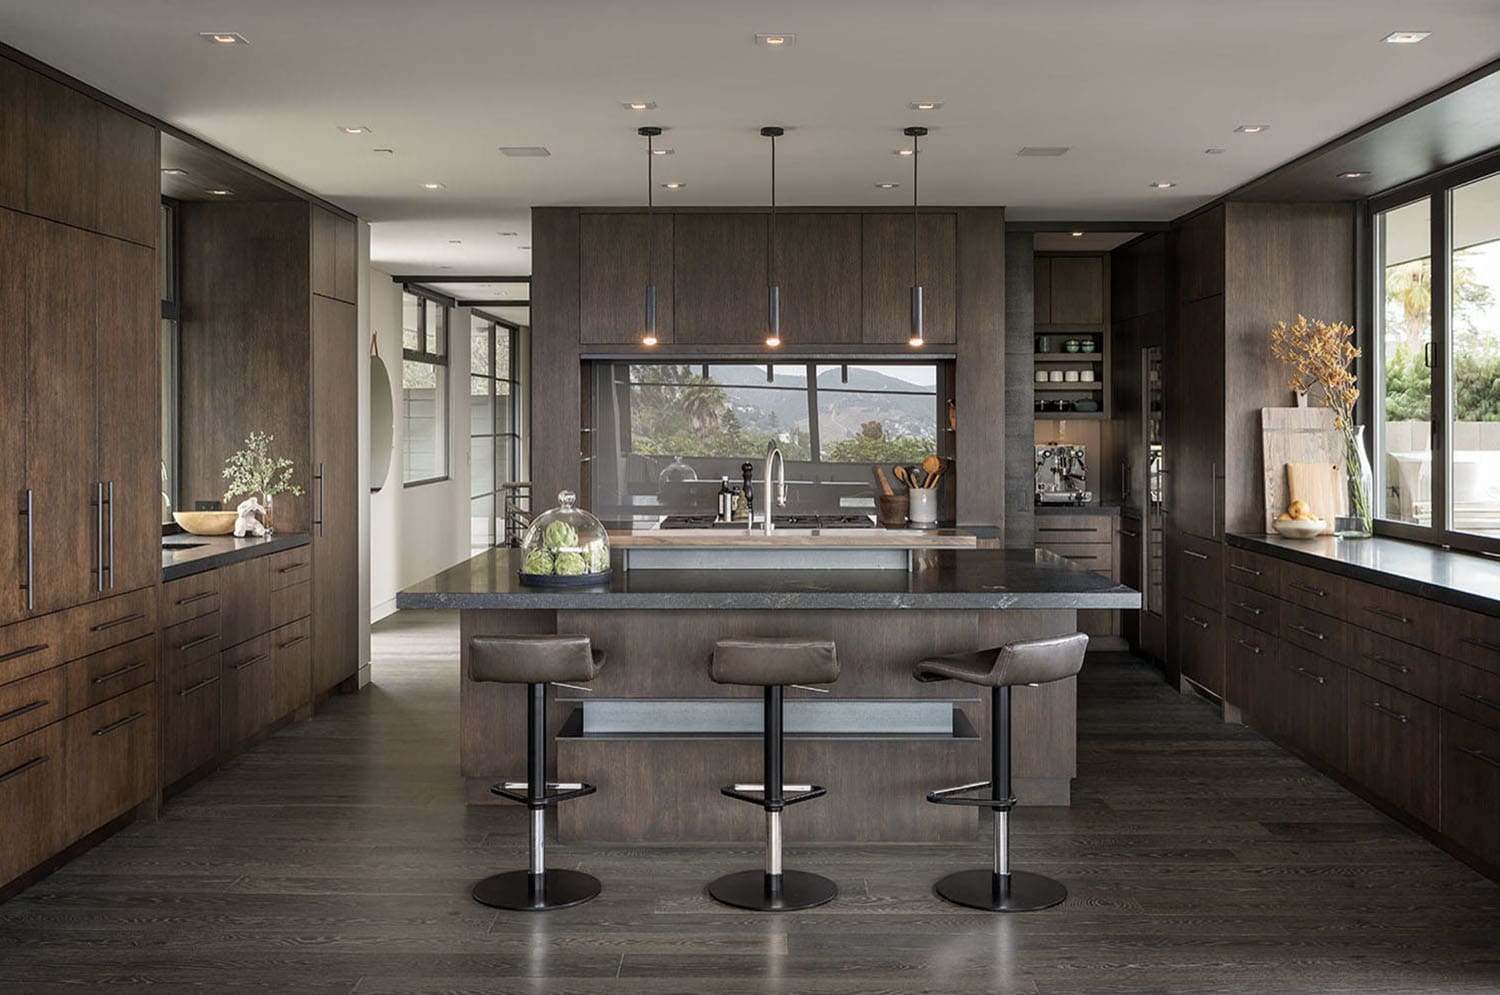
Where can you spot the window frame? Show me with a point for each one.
(1437, 189)
(496, 341)
(432, 358)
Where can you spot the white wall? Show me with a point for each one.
(416, 532)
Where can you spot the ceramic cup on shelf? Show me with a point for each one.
(1071, 376)
(923, 505)
(1087, 376)
(1056, 376)
(1072, 345)
(1087, 345)
(1041, 376)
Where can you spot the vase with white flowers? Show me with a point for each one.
(255, 471)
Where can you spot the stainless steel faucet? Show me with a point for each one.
(775, 458)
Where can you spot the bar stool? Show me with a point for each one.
(1037, 661)
(536, 661)
(774, 664)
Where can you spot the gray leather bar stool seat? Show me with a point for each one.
(536, 661)
(773, 664)
(1037, 661)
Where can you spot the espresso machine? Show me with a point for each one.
(1062, 475)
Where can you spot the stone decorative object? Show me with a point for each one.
(247, 524)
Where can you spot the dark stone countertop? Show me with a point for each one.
(211, 552)
(946, 579)
(1462, 580)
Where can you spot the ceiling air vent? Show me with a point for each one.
(1044, 150)
(524, 151)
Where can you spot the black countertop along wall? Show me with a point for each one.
(1462, 580)
(184, 554)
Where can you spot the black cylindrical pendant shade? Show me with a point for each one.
(916, 316)
(649, 337)
(773, 316)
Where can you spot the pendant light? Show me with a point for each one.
(915, 133)
(773, 291)
(648, 337)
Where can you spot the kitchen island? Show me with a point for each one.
(659, 738)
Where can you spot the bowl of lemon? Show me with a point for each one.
(1299, 522)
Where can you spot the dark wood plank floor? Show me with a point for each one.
(337, 858)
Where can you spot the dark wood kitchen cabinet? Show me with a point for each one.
(886, 286)
(1069, 290)
(818, 267)
(13, 545)
(334, 256)
(612, 278)
(112, 759)
(335, 530)
(33, 780)
(12, 139)
(62, 149)
(719, 279)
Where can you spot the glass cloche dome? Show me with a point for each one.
(565, 547)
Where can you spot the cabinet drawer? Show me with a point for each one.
(248, 690)
(1311, 630)
(291, 603)
(1390, 613)
(1408, 668)
(292, 653)
(112, 759)
(245, 611)
(1312, 697)
(102, 676)
(1472, 693)
(1196, 569)
(190, 597)
(292, 566)
(1252, 570)
(1313, 589)
(1472, 638)
(32, 702)
(1393, 747)
(189, 642)
(1249, 657)
(1252, 607)
(31, 801)
(1471, 786)
(102, 624)
(1068, 529)
(30, 647)
(1200, 646)
(1095, 557)
(190, 719)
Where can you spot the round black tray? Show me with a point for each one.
(574, 580)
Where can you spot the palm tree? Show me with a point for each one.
(702, 402)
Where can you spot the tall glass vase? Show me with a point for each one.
(1358, 522)
(266, 503)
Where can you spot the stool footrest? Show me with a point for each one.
(954, 796)
(556, 791)
(811, 791)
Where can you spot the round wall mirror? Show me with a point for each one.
(382, 423)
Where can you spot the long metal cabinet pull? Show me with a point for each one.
(99, 537)
(111, 535)
(30, 554)
(322, 491)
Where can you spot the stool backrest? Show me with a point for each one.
(1040, 661)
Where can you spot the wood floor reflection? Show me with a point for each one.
(337, 857)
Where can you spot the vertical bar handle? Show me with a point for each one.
(30, 513)
(111, 499)
(322, 490)
(99, 536)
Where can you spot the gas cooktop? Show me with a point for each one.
(780, 521)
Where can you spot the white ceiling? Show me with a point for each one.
(1138, 90)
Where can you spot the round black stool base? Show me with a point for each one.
(1027, 892)
(752, 890)
(514, 890)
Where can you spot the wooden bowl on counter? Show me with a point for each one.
(206, 523)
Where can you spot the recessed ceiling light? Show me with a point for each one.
(775, 40)
(1354, 174)
(1405, 37)
(674, 185)
(223, 37)
(524, 248)
(902, 152)
(1044, 150)
(1213, 151)
(656, 151)
(1251, 129)
(887, 185)
(1162, 184)
(507, 234)
(384, 151)
(219, 192)
(1076, 234)
(354, 129)
(639, 105)
(524, 151)
(174, 171)
(433, 186)
(445, 267)
(925, 105)
(455, 241)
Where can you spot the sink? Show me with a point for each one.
(182, 545)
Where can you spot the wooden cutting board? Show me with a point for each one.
(1294, 435)
(1320, 486)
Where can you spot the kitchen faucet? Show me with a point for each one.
(775, 458)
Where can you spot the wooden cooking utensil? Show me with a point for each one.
(885, 485)
(900, 474)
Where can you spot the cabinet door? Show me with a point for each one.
(190, 719)
(61, 427)
(818, 269)
(12, 139)
(32, 822)
(13, 545)
(1393, 747)
(291, 661)
(247, 693)
(335, 601)
(1195, 420)
(612, 278)
(887, 277)
(128, 402)
(1077, 288)
(112, 759)
(719, 278)
(334, 256)
(62, 145)
(129, 194)
(244, 599)
(1200, 647)
(1471, 786)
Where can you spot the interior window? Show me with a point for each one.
(1405, 318)
(424, 391)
